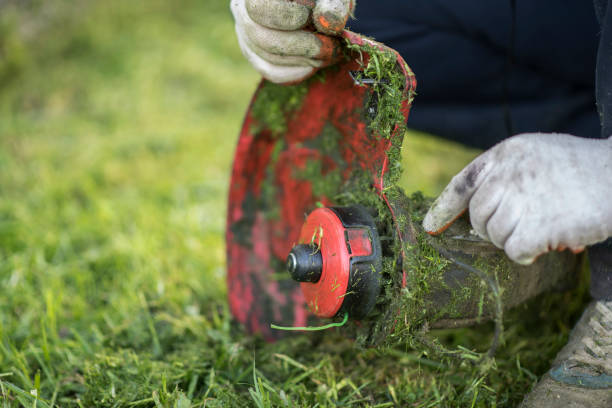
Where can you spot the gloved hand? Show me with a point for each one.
(272, 37)
(533, 193)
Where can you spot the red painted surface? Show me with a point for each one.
(260, 231)
(359, 241)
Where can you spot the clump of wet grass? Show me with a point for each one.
(388, 88)
(116, 137)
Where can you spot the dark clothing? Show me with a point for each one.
(604, 66)
(479, 84)
(487, 70)
(600, 255)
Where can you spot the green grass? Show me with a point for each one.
(118, 122)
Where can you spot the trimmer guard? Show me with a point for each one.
(287, 158)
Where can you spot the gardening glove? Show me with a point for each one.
(532, 193)
(274, 37)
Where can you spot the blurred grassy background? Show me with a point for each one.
(118, 122)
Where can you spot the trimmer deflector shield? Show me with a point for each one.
(301, 146)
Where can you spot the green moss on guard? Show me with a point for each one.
(274, 105)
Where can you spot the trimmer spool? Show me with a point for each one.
(338, 260)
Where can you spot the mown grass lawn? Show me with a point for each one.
(118, 122)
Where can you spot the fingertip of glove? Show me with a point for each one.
(429, 226)
(434, 225)
(330, 23)
(525, 261)
(330, 16)
(433, 228)
(520, 254)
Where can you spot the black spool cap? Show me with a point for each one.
(305, 263)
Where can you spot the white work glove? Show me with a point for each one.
(273, 36)
(533, 193)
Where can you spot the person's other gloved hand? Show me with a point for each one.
(533, 193)
(274, 35)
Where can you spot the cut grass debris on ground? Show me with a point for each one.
(118, 122)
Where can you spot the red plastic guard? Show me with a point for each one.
(272, 191)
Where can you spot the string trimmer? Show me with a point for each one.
(318, 228)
